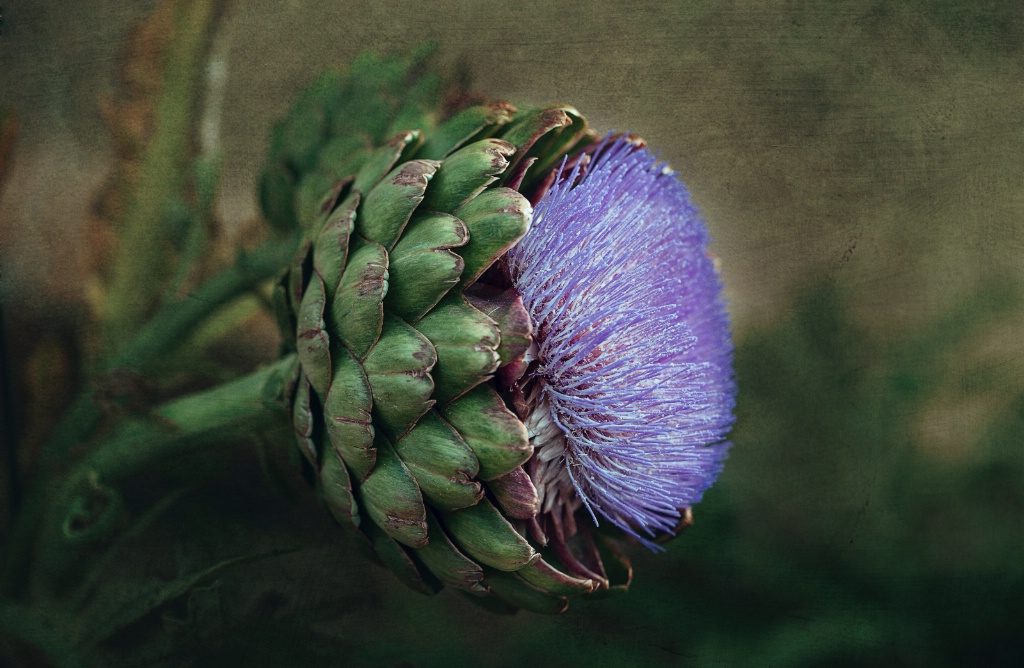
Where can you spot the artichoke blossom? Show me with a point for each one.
(511, 346)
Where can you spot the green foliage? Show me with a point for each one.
(337, 122)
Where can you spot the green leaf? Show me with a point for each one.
(497, 436)
(343, 156)
(283, 314)
(333, 198)
(520, 593)
(482, 533)
(93, 577)
(547, 578)
(311, 337)
(301, 135)
(279, 388)
(298, 274)
(277, 197)
(446, 562)
(363, 109)
(542, 137)
(155, 594)
(496, 219)
(549, 149)
(336, 490)
(414, 116)
(441, 462)
(323, 93)
(397, 560)
(357, 312)
(530, 125)
(382, 160)
(392, 499)
(487, 601)
(398, 369)
(464, 126)
(422, 268)
(303, 424)
(309, 197)
(92, 515)
(331, 248)
(464, 175)
(203, 616)
(378, 89)
(390, 204)
(466, 341)
(347, 415)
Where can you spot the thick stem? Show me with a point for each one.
(141, 254)
(167, 329)
(210, 419)
(191, 423)
(213, 418)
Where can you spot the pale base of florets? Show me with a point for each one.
(550, 475)
(555, 525)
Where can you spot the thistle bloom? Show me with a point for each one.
(631, 394)
(487, 347)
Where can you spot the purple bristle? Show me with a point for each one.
(633, 345)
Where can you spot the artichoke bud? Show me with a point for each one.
(504, 329)
(409, 339)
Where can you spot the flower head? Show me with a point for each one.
(487, 347)
(631, 392)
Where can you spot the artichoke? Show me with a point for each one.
(463, 399)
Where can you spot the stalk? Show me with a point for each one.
(188, 424)
(168, 328)
(213, 418)
(141, 255)
(162, 333)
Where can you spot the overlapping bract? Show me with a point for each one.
(400, 321)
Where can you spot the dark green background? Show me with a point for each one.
(861, 168)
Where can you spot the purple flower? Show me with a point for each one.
(631, 391)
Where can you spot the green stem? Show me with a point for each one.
(142, 249)
(166, 330)
(169, 328)
(209, 419)
(192, 423)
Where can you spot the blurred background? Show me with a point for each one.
(861, 167)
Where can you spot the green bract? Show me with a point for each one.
(397, 310)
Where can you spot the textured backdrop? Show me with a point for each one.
(860, 168)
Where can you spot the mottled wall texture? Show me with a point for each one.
(877, 143)
(860, 164)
